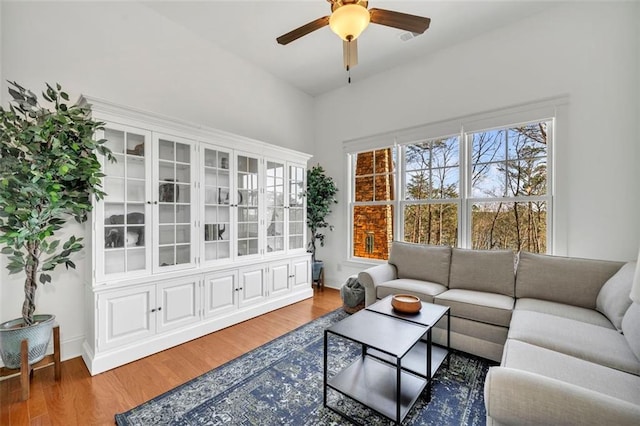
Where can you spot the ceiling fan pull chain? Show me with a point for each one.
(349, 39)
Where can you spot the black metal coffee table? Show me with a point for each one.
(396, 363)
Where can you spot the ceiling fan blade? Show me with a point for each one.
(303, 30)
(350, 53)
(403, 21)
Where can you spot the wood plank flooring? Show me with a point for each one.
(79, 399)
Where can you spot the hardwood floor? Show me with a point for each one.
(79, 399)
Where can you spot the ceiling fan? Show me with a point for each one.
(349, 18)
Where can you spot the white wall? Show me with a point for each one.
(128, 54)
(586, 50)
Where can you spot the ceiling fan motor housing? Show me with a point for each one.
(349, 18)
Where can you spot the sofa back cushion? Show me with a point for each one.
(613, 299)
(631, 328)
(421, 262)
(569, 280)
(491, 271)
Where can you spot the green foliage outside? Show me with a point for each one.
(49, 173)
(321, 191)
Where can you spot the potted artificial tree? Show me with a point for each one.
(321, 191)
(49, 173)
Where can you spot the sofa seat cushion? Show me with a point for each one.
(560, 279)
(421, 262)
(425, 290)
(479, 330)
(576, 371)
(589, 342)
(566, 311)
(490, 271)
(491, 308)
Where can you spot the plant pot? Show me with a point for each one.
(13, 332)
(317, 268)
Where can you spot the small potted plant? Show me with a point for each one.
(321, 191)
(49, 173)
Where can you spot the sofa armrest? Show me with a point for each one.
(520, 397)
(369, 278)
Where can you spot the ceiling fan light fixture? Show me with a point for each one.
(349, 21)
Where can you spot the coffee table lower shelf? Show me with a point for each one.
(414, 361)
(373, 383)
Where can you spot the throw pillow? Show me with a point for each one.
(613, 299)
(631, 328)
(421, 262)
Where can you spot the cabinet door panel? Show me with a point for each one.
(252, 286)
(220, 293)
(175, 168)
(279, 281)
(216, 194)
(275, 205)
(179, 304)
(123, 218)
(125, 316)
(297, 229)
(301, 272)
(248, 205)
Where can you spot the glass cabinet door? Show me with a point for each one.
(275, 206)
(124, 211)
(174, 197)
(216, 221)
(297, 225)
(248, 202)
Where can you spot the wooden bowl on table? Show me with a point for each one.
(406, 303)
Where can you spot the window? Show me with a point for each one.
(509, 188)
(372, 207)
(432, 191)
(484, 188)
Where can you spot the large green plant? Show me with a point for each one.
(321, 191)
(49, 172)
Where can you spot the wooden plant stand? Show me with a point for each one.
(320, 280)
(26, 370)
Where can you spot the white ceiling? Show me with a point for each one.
(313, 63)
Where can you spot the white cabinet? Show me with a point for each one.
(289, 275)
(200, 229)
(133, 314)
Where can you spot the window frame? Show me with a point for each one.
(549, 110)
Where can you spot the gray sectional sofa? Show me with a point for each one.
(565, 330)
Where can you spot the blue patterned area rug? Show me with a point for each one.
(280, 383)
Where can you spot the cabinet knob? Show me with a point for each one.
(148, 202)
(160, 308)
(153, 310)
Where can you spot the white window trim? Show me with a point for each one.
(554, 109)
